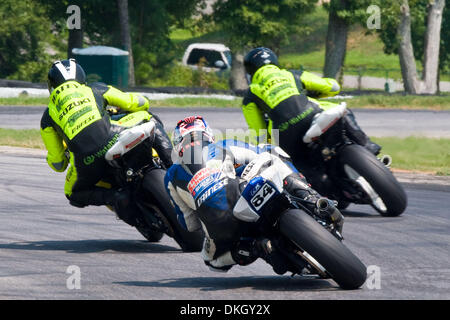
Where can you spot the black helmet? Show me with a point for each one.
(259, 57)
(65, 70)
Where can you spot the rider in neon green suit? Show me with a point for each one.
(76, 122)
(288, 101)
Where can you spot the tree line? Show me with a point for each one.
(33, 33)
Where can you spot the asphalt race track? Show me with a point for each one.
(43, 239)
(378, 123)
(41, 236)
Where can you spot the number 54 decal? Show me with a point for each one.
(262, 196)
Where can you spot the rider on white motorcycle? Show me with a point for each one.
(205, 183)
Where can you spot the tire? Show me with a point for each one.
(339, 262)
(154, 183)
(342, 205)
(378, 176)
(150, 235)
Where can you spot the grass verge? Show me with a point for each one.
(412, 153)
(400, 102)
(30, 138)
(418, 154)
(196, 102)
(169, 102)
(24, 101)
(376, 101)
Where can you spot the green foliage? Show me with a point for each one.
(352, 11)
(182, 76)
(250, 23)
(24, 39)
(390, 13)
(31, 28)
(152, 21)
(99, 19)
(312, 41)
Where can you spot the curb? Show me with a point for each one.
(439, 183)
(413, 178)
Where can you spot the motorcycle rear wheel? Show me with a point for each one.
(377, 179)
(327, 254)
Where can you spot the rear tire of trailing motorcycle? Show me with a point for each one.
(154, 184)
(342, 205)
(339, 262)
(150, 235)
(378, 176)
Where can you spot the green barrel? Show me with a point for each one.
(104, 64)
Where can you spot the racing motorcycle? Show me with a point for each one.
(355, 174)
(309, 240)
(135, 165)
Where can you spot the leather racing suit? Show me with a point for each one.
(286, 97)
(223, 246)
(76, 116)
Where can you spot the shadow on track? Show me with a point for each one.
(360, 214)
(266, 283)
(375, 215)
(92, 246)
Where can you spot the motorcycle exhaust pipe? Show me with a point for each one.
(323, 204)
(386, 160)
(327, 208)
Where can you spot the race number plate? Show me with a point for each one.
(258, 192)
(262, 196)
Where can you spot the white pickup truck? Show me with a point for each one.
(217, 55)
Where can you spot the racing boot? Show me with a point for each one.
(95, 196)
(272, 256)
(162, 144)
(124, 207)
(373, 147)
(297, 186)
(356, 134)
(119, 200)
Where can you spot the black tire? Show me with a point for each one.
(150, 235)
(339, 262)
(154, 183)
(342, 205)
(378, 176)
